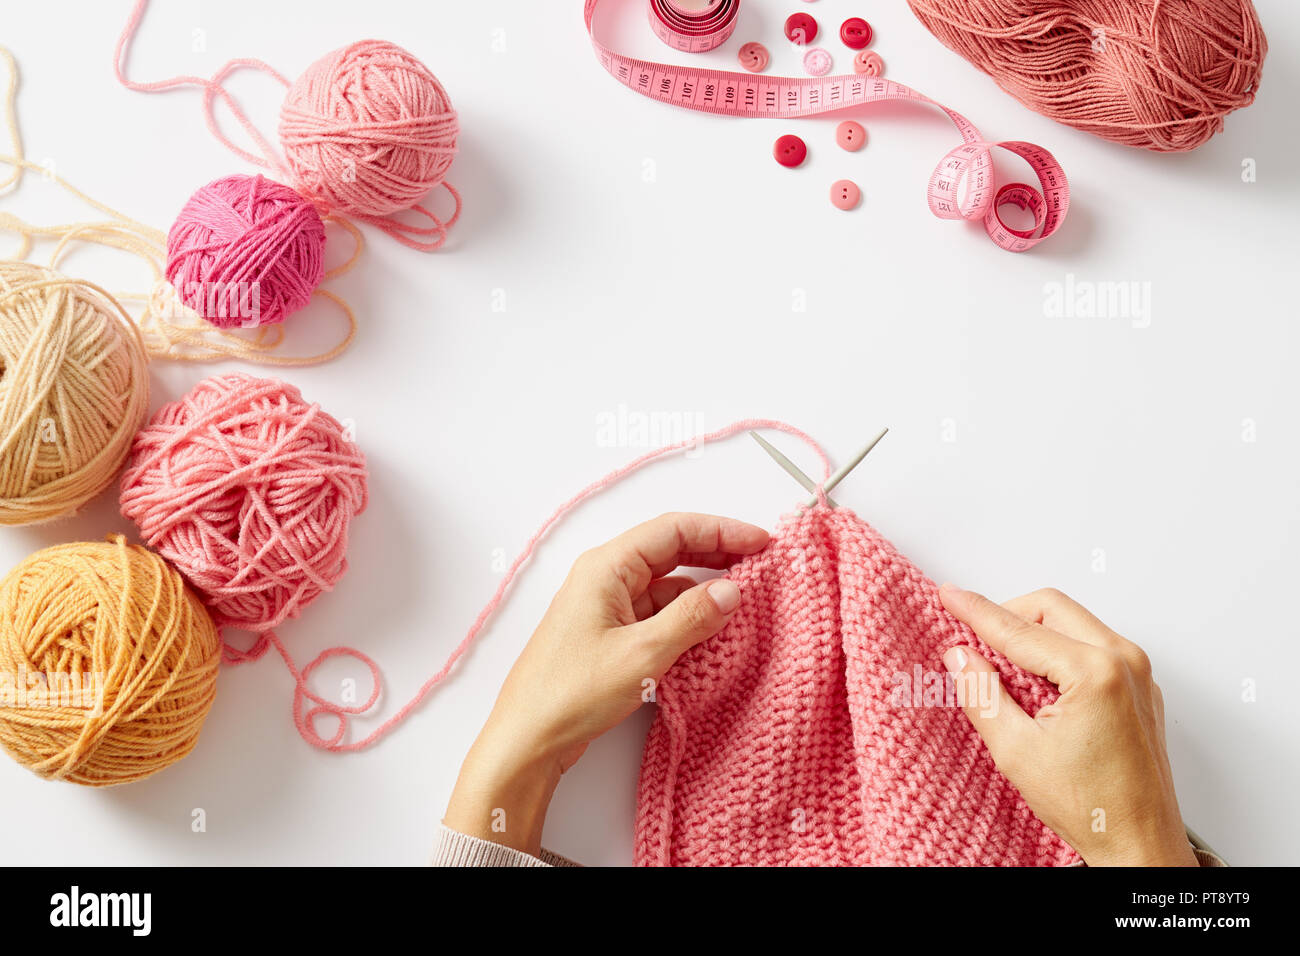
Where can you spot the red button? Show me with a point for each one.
(855, 32)
(790, 150)
(800, 29)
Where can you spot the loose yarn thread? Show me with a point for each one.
(305, 719)
(367, 131)
(169, 328)
(74, 387)
(1157, 74)
(129, 651)
(206, 477)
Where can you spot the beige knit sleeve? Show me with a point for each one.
(458, 849)
(1203, 857)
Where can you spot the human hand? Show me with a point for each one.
(616, 625)
(1092, 765)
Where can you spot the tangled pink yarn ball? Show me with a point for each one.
(246, 251)
(248, 491)
(368, 130)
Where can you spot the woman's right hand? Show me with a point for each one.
(1092, 765)
(619, 622)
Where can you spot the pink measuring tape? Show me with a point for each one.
(693, 26)
(781, 97)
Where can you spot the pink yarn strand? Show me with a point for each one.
(304, 719)
(212, 91)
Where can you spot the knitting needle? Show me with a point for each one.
(852, 463)
(790, 467)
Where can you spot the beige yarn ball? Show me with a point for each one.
(74, 389)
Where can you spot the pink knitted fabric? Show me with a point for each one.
(783, 739)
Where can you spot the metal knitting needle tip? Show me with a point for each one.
(790, 467)
(852, 463)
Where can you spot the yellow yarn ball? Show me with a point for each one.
(108, 663)
(74, 390)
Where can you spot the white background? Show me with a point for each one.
(651, 259)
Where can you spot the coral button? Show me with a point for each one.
(817, 62)
(790, 150)
(855, 32)
(800, 28)
(851, 136)
(869, 63)
(845, 194)
(754, 57)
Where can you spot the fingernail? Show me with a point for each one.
(954, 658)
(949, 587)
(725, 595)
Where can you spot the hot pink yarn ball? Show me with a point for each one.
(246, 251)
(368, 130)
(248, 490)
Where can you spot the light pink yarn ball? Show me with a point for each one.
(246, 251)
(249, 491)
(368, 130)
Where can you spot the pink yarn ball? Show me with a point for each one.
(368, 130)
(248, 491)
(1159, 74)
(246, 251)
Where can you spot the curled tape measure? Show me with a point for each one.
(693, 26)
(962, 185)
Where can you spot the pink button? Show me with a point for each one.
(817, 62)
(869, 63)
(851, 136)
(845, 194)
(800, 29)
(754, 57)
(790, 150)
